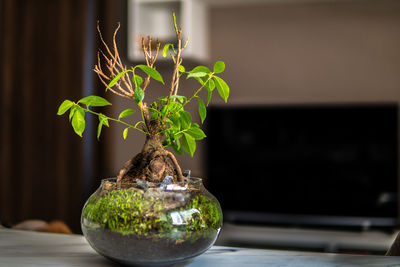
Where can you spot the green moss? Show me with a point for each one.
(128, 212)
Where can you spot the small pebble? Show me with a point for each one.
(186, 173)
(107, 185)
(167, 180)
(142, 184)
(175, 187)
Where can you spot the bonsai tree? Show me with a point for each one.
(151, 214)
(165, 122)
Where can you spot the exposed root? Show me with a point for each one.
(174, 161)
(151, 166)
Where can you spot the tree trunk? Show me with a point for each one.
(153, 163)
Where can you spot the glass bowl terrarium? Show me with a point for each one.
(144, 223)
(150, 214)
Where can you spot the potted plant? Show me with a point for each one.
(152, 213)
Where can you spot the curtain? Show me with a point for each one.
(46, 50)
(41, 52)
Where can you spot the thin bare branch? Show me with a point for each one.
(100, 73)
(118, 84)
(146, 55)
(150, 60)
(157, 51)
(114, 66)
(102, 40)
(149, 44)
(117, 93)
(186, 43)
(118, 59)
(146, 83)
(175, 75)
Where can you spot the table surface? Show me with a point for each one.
(23, 248)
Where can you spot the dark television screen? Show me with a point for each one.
(305, 164)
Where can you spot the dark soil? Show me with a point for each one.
(136, 251)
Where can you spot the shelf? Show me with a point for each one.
(333, 241)
(154, 18)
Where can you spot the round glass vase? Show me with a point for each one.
(151, 224)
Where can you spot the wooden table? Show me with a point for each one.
(22, 248)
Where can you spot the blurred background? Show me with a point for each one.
(282, 57)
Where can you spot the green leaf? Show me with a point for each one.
(202, 109)
(126, 113)
(94, 101)
(196, 132)
(163, 99)
(201, 69)
(103, 119)
(188, 143)
(139, 122)
(199, 80)
(178, 135)
(137, 80)
(175, 107)
(172, 107)
(125, 133)
(99, 130)
(196, 74)
(186, 119)
(166, 49)
(181, 98)
(209, 95)
(72, 112)
(138, 94)
(78, 121)
(64, 107)
(164, 110)
(210, 85)
(174, 119)
(181, 68)
(116, 79)
(154, 105)
(151, 72)
(177, 147)
(154, 116)
(222, 88)
(219, 67)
